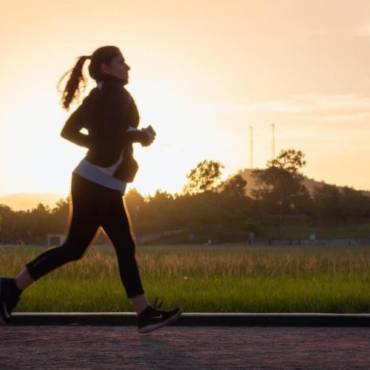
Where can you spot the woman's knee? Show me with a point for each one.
(75, 255)
(71, 252)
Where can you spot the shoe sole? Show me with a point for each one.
(4, 314)
(152, 327)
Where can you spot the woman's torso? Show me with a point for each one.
(111, 111)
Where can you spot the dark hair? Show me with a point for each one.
(72, 89)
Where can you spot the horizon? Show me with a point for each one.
(301, 67)
(27, 203)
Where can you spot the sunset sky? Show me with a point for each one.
(202, 73)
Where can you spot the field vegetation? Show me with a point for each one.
(201, 278)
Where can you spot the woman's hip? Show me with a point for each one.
(84, 189)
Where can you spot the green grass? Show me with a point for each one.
(229, 278)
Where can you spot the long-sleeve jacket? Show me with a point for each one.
(107, 113)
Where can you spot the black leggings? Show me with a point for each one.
(94, 205)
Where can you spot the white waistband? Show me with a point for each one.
(94, 174)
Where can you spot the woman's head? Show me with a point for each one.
(104, 60)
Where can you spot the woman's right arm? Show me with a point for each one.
(73, 125)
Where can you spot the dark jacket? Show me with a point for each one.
(107, 113)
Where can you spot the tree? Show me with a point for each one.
(204, 177)
(235, 186)
(8, 225)
(328, 204)
(353, 203)
(290, 160)
(232, 204)
(280, 187)
(40, 217)
(134, 201)
(60, 216)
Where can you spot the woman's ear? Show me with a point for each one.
(104, 68)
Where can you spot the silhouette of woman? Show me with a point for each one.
(110, 115)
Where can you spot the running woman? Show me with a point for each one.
(98, 183)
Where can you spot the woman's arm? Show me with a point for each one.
(122, 107)
(138, 136)
(73, 125)
(113, 108)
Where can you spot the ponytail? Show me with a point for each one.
(72, 89)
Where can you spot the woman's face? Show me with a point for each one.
(117, 68)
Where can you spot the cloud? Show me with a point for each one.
(362, 31)
(308, 103)
(338, 102)
(319, 31)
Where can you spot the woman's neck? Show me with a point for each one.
(109, 77)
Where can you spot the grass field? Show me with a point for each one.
(227, 278)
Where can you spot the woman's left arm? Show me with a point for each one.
(129, 116)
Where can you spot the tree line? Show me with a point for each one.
(211, 208)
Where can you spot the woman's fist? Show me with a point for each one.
(148, 136)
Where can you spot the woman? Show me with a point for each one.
(98, 182)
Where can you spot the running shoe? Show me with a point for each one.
(152, 318)
(9, 297)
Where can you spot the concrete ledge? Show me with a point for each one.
(193, 319)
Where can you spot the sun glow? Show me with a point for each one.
(201, 82)
(181, 135)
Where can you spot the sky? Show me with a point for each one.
(202, 73)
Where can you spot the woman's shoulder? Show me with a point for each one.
(92, 95)
(118, 93)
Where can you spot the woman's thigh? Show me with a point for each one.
(116, 222)
(85, 211)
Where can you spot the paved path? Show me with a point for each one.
(238, 319)
(113, 348)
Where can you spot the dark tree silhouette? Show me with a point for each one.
(204, 177)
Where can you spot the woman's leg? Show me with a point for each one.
(83, 227)
(116, 224)
(140, 303)
(24, 279)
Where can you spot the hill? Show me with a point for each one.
(310, 184)
(24, 201)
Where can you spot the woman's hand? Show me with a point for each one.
(148, 137)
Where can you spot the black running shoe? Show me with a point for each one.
(9, 297)
(152, 318)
